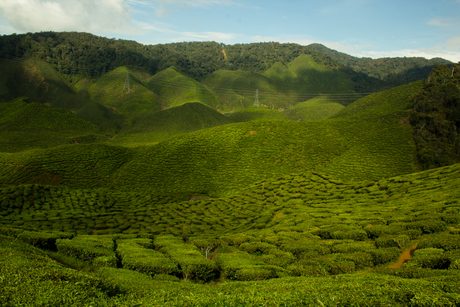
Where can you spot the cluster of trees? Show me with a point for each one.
(394, 71)
(79, 55)
(436, 118)
(89, 55)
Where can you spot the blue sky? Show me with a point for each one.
(370, 28)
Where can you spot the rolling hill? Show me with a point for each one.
(156, 197)
(109, 90)
(160, 126)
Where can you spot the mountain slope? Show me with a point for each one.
(41, 83)
(318, 108)
(110, 91)
(159, 126)
(176, 89)
(394, 71)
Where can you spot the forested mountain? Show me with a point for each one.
(78, 55)
(394, 71)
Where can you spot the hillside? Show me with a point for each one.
(178, 192)
(256, 113)
(40, 83)
(175, 89)
(364, 141)
(313, 235)
(109, 90)
(394, 71)
(160, 126)
(318, 108)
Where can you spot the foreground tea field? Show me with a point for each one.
(298, 232)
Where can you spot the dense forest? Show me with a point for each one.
(436, 118)
(86, 54)
(79, 55)
(394, 71)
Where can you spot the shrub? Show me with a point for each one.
(86, 247)
(238, 239)
(392, 241)
(428, 226)
(385, 255)
(444, 241)
(352, 247)
(361, 260)
(135, 255)
(106, 261)
(429, 258)
(191, 262)
(305, 248)
(313, 270)
(243, 266)
(43, 240)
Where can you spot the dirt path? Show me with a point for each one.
(405, 256)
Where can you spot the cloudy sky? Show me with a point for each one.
(371, 28)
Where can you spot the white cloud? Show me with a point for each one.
(96, 16)
(442, 22)
(453, 43)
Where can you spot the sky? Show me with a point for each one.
(362, 28)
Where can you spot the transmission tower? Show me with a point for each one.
(127, 85)
(256, 102)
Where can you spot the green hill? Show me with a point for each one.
(318, 108)
(110, 91)
(260, 113)
(157, 127)
(362, 142)
(41, 83)
(26, 125)
(394, 71)
(297, 235)
(175, 89)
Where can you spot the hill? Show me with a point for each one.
(318, 108)
(254, 113)
(394, 71)
(176, 89)
(93, 57)
(156, 127)
(109, 90)
(364, 141)
(313, 235)
(41, 83)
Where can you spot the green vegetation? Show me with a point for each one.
(109, 91)
(436, 118)
(153, 197)
(152, 128)
(314, 234)
(394, 71)
(251, 113)
(314, 109)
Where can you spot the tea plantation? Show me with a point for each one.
(189, 207)
(288, 240)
